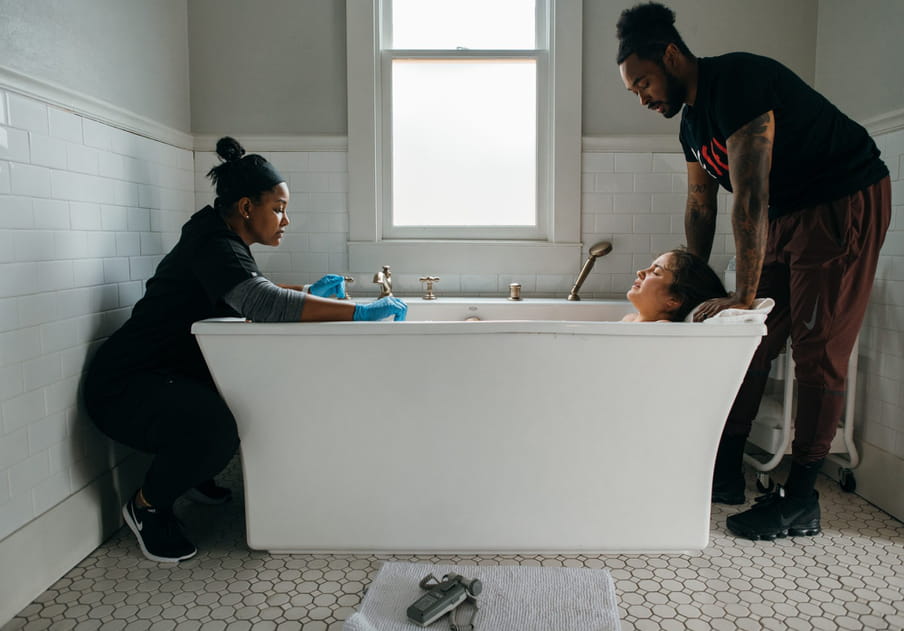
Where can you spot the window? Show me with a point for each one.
(464, 132)
(460, 79)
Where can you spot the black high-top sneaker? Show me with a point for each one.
(778, 515)
(788, 511)
(158, 532)
(728, 477)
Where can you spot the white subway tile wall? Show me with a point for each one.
(880, 395)
(635, 200)
(86, 212)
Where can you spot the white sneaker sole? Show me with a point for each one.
(130, 522)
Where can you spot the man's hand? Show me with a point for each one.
(713, 306)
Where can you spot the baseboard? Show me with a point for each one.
(38, 554)
(873, 478)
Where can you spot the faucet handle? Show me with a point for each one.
(383, 278)
(428, 289)
(349, 280)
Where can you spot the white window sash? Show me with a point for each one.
(557, 250)
(537, 231)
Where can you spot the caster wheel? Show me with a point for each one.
(764, 483)
(847, 481)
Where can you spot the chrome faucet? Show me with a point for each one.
(384, 280)
(596, 251)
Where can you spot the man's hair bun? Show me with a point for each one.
(229, 149)
(646, 30)
(644, 19)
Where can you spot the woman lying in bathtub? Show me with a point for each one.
(670, 288)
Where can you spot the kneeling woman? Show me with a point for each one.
(148, 386)
(671, 287)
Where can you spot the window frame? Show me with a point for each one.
(555, 251)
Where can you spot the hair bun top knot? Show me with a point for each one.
(644, 18)
(229, 149)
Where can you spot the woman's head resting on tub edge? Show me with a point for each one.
(669, 289)
(251, 194)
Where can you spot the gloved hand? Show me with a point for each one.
(331, 284)
(381, 309)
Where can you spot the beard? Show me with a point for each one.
(675, 94)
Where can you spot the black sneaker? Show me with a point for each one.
(777, 515)
(209, 492)
(159, 533)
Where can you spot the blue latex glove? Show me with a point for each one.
(329, 285)
(381, 309)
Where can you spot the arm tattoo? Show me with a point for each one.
(700, 215)
(750, 162)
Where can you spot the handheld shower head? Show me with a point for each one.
(602, 248)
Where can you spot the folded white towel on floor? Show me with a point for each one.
(757, 313)
(514, 598)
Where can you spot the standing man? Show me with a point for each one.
(811, 205)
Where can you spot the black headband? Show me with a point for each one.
(248, 176)
(264, 177)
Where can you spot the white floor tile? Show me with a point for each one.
(849, 577)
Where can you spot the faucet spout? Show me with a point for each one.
(596, 251)
(383, 278)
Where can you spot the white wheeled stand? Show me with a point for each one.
(773, 427)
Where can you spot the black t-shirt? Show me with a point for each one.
(819, 154)
(188, 285)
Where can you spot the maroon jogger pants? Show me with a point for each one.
(819, 268)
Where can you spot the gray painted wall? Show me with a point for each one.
(857, 63)
(278, 66)
(300, 59)
(133, 55)
(783, 30)
(268, 66)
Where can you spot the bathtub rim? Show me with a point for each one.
(238, 326)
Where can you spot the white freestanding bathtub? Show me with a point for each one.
(545, 426)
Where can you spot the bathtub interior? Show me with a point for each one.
(496, 309)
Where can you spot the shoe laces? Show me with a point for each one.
(172, 526)
(767, 499)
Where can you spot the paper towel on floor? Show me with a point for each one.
(514, 598)
(757, 313)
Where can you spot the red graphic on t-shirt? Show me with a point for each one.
(715, 158)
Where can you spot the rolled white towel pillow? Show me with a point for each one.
(757, 313)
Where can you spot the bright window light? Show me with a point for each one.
(464, 146)
(468, 24)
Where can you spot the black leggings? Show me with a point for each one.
(183, 421)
